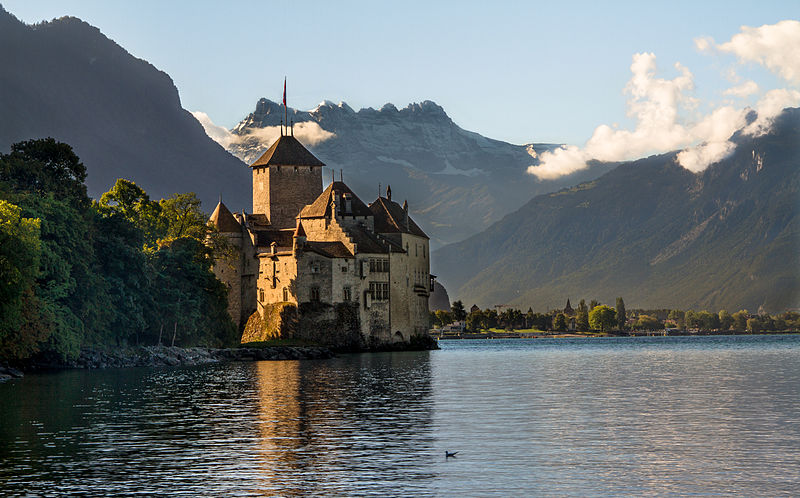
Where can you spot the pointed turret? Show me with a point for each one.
(224, 220)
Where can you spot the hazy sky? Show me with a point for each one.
(515, 71)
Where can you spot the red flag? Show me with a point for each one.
(284, 92)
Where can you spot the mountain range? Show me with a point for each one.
(456, 182)
(122, 116)
(652, 232)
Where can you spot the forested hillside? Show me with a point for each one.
(121, 270)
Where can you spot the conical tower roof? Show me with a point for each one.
(223, 219)
(287, 151)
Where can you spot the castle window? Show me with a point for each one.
(315, 294)
(379, 291)
(295, 169)
(346, 294)
(261, 295)
(344, 268)
(285, 294)
(378, 265)
(315, 267)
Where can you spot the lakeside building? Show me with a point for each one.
(310, 262)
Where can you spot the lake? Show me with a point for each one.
(577, 417)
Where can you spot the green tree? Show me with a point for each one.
(621, 317)
(740, 320)
(691, 319)
(131, 202)
(560, 322)
(582, 320)
(183, 217)
(20, 249)
(677, 316)
(593, 304)
(725, 320)
(459, 313)
(45, 167)
(754, 325)
(602, 317)
(647, 322)
(473, 321)
(444, 317)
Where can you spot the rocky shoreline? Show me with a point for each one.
(163, 356)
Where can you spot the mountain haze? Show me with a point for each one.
(123, 117)
(652, 232)
(457, 182)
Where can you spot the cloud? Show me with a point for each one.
(770, 105)
(653, 102)
(775, 46)
(217, 133)
(665, 113)
(744, 90)
(308, 132)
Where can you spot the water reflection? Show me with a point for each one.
(586, 418)
(356, 425)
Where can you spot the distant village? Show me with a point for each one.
(598, 319)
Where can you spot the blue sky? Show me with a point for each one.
(515, 71)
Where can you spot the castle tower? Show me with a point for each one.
(230, 271)
(285, 179)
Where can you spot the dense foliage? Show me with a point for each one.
(74, 272)
(597, 317)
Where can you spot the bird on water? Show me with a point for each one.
(447, 454)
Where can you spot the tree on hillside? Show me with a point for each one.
(621, 317)
(43, 167)
(602, 318)
(457, 308)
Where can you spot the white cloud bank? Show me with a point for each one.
(658, 107)
(308, 132)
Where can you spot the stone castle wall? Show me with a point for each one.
(281, 192)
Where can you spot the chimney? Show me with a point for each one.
(405, 210)
(389, 192)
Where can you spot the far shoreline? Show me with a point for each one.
(578, 335)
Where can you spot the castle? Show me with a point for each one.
(318, 253)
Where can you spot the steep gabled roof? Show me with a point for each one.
(390, 217)
(287, 151)
(328, 249)
(321, 207)
(223, 219)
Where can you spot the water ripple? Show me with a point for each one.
(644, 417)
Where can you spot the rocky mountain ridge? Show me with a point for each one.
(457, 182)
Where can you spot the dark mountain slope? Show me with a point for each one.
(652, 232)
(123, 117)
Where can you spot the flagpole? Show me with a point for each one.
(285, 110)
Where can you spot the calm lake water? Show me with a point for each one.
(584, 417)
